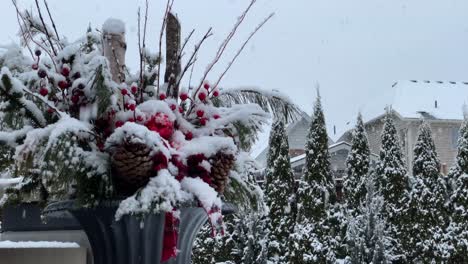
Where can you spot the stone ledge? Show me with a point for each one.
(43, 255)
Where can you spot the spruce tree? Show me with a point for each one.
(357, 164)
(392, 176)
(280, 196)
(317, 238)
(367, 238)
(458, 229)
(393, 183)
(427, 214)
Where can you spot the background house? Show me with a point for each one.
(439, 103)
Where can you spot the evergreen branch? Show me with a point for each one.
(12, 138)
(16, 97)
(272, 102)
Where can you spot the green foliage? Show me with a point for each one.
(427, 210)
(457, 231)
(60, 169)
(17, 102)
(280, 196)
(392, 176)
(318, 212)
(103, 93)
(357, 164)
(316, 189)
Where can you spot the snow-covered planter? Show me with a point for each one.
(84, 128)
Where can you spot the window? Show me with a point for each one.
(455, 134)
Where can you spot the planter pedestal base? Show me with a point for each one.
(132, 240)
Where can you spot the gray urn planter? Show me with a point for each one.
(132, 240)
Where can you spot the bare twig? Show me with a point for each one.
(45, 27)
(52, 21)
(186, 40)
(194, 54)
(142, 47)
(23, 34)
(191, 71)
(140, 50)
(241, 49)
(224, 44)
(163, 25)
(31, 37)
(145, 23)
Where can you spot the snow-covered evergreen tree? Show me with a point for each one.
(317, 237)
(457, 234)
(366, 236)
(391, 170)
(280, 196)
(393, 182)
(427, 213)
(357, 165)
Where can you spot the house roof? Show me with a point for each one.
(262, 156)
(441, 100)
(417, 99)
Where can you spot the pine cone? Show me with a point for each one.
(221, 165)
(131, 167)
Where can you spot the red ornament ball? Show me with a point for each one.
(183, 96)
(35, 66)
(43, 91)
(206, 86)
(119, 123)
(216, 116)
(38, 52)
(162, 96)
(131, 107)
(200, 113)
(189, 135)
(203, 121)
(42, 73)
(173, 107)
(65, 71)
(181, 110)
(202, 96)
(216, 93)
(63, 85)
(161, 124)
(75, 99)
(77, 75)
(134, 89)
(124, 92)
(139, 118)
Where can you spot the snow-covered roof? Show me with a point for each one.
(439, 99)
(416, 99)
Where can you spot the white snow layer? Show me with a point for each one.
(113, 26)
(161, 194)
(37, 244)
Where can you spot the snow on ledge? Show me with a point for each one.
(10, 181)
(37, 244)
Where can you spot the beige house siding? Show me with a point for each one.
(444, 132)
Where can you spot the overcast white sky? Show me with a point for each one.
(355, 49)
